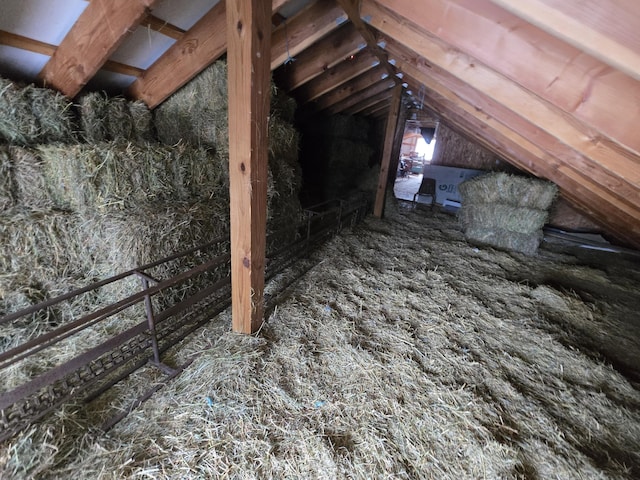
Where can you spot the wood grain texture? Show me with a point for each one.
(606, 30)
(31, 45)
(97, 33)
(321, 56)
(304, 29)
(337, 76)
(249, 28)
(381, 87)
(389, 137)
(358, 84)
(576, 85)
(204, 43)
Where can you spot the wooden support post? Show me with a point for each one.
(248, 58)
(389, 135)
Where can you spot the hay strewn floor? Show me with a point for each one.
(404, 353)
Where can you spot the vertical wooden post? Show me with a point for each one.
(389, 135)
(248, 58)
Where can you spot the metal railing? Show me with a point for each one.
(173, 308)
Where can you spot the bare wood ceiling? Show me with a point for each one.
(551, 85)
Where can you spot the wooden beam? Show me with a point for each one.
(382, 86)
(436, 79)
(204, 43)
(97, 33)
(249, 28)
(382, 105)
(362, 82)
(389, 136)
(35, 46)
(160, 26)
(384, 96)
(606, 30)
(352, 8)
(337, 76)
(321, 56)
(609, 156)
(497, 44)
(304, 29)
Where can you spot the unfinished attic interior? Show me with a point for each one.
(220, 262)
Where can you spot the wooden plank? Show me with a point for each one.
(97, 33)
(606, 30)
(35, 46)
(337, 76)
(321, 56)
(376, 110)
(204, 43)
(160, 26)
(563, 126)
(544, 67)
(384, 96)
(382, 86)
(352, 87)
(304, 29)
(352, 8)
(389, 134)
(249, 28)
(436, 79)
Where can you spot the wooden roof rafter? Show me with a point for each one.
(91, 41)
(321, 56)
(337, 76)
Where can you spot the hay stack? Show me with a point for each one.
(197, 113)
(105, 118)
(109, 176)
(31, 115)
(506, 211)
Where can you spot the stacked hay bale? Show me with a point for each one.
(76, 207)
(198, 115)
(506, 211)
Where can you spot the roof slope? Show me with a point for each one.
(551, 85)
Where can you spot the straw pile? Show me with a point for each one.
(30, 115)
(506, 211)
(360, 374)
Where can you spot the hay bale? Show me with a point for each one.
(120, 125)
(500, 238)
(144, 130)
(93, 109)
(41, 244)
(509, 189)
(18, 123)
(122, 240)
(31, 185)
(197, 112)
(109, 176)
(499, 216)
(7, 187)
(53, 114)
(282, 105)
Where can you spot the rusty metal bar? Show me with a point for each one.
(73, 327)
(107, 281)
(148, 308)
